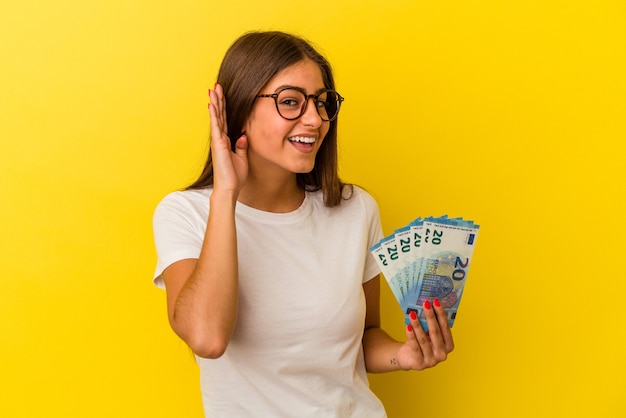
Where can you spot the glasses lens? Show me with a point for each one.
(290, 103)
(328, 104)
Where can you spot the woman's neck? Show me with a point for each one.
(272, 195)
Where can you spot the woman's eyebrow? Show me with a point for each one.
(289, 86)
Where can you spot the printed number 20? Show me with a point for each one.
(459, 273)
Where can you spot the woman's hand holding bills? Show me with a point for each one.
(424, 349)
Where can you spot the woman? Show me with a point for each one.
(265, 257)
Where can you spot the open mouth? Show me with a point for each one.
(302, 139)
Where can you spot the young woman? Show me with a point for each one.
(265, 258)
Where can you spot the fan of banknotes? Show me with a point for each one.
(428, 258)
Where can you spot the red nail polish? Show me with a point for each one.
(436, 302)
(409, 328)
(413, 315)
(427, 305)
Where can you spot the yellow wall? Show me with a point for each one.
(511, 113)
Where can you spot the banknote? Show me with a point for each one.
(428, 259)
(386, 263)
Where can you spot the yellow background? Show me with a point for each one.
(511, 113)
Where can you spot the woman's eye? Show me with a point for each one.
(290, 102)
(320, 103)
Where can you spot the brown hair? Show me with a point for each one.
(249, 64)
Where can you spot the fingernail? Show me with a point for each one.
(436, 302)
(427, 305)
(413, 315)
(409, 328)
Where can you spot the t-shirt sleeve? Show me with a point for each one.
(375, 234)
(178, 233)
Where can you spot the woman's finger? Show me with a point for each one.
(434, 332)
(442, 319)
(221, 108)
(411, 340)
(422, 339)
(219, 137)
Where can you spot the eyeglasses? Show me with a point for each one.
(291, 103)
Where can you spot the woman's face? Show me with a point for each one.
(277, 145)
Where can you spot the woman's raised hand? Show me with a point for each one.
(425, 349)
(230, 169)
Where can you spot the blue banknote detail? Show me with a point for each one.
(470, 239)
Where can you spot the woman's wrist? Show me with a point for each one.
(224, 198)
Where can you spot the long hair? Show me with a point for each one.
(250, 63)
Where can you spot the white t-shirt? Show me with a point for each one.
(296, 349)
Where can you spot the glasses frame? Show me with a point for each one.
(274, 96)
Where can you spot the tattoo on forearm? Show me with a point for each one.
(393, 362)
